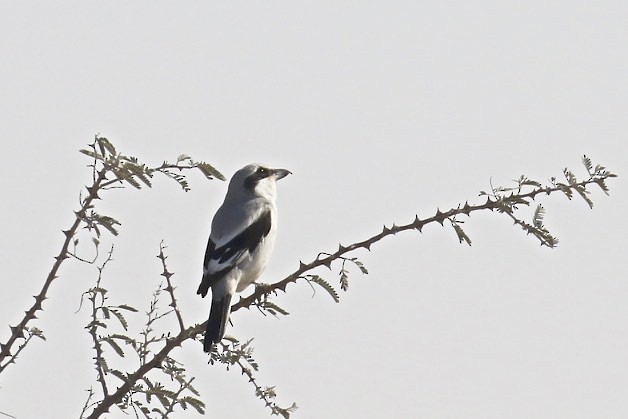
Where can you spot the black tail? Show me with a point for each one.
(217, 323)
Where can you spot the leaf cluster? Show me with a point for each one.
(509, 199)
(231, 353)
(150, 396)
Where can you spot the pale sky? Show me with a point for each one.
(382, 110)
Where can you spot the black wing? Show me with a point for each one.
(248, 240)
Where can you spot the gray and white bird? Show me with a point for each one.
(240, 243)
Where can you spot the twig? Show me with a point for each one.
(87, 405)
(166, 274)
(93, 327)
(175, 398)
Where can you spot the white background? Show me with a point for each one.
(382, 110)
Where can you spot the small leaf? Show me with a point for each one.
(360, 266)
(344, 280)
(462, 236)
(602, 185)
(103, 142)
(121, 319)
(209, 171)
(571, 178)
(539, 214)
(127, 307)
(272, 308)
(325, 285)
(197, 404)
(583, 193)
(587, 163)
(114, 345)
(90, 154)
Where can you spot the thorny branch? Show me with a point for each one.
(503, 203)
(166, 274)
(17, 332)
(106, 161)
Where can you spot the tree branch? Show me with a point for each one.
(17, 332)
(503, 203)
(166, 274)
(124, 168)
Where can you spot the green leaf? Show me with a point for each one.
(107, 222)
(105, 312)
(587, 163)
(602, 185)
(103, 142)
(539, 214)
(344, 280)
(272, 308)
(583, 193)
(462, 236)
(120, 318)
(209, 171)
(127, 307)
(360, 266)
(197, 404)
(114, 345)
(325, 285)
(91, 154)
(571, 178)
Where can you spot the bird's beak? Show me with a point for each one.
(281, 173)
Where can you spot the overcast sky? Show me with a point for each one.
(382, 110)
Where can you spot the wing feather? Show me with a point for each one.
(219, 261)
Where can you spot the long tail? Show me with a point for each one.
(217, 323)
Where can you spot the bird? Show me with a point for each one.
(240, 243)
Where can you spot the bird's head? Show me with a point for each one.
(257, 179)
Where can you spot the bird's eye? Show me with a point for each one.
(262, 170)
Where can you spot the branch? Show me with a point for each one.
(174, 401)
(99, 359)
(106, 160)
(166, 274)
(503, 204)
(497, 201)
(17, 332)
(133, 378)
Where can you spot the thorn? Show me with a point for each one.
(489, 203)
(2, 349)
(367, 246)
(439, 216)
(301, 265)
(386, 230)
(93, 191)
(19, 333)
(341, 248)
(67, 233)
(327, 262)
(467, 208)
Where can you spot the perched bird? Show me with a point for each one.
(240, 243)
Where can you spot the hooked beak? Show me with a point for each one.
(281, 173)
